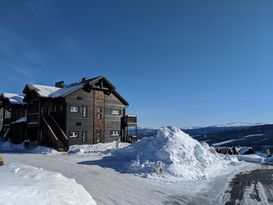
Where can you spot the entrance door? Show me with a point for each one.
(98, 117)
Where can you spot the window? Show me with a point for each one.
(84, 111)
(115, 112)
(114, 133)
(99, 116)
(79, 98)
(84, 135)
(98, 137)
(55, 109)
(61, 108)
(78, 123)
(74, 109)
(74, 134)
(99, 109)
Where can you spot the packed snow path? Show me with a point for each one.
(108, 186)
(253, 187)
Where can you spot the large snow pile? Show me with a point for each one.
(22, 184)
(173, 153)
(96, 148)
(7, 146)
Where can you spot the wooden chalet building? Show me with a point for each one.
(12, 116)
(85, 112)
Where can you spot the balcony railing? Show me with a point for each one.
(32, 118)
(129, 121)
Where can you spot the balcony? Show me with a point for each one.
(129, 121)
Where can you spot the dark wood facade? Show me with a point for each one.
(12, 109)
(87, 112)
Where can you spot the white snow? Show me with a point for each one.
(96, 148)
(44, 90)
(269, 160)
(23, 184)
(254, 135)
(7, 146)
(224, 142)
(22, 119)
(251, 158)
(173, 155)
(14, 98)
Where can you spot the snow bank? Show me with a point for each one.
(96, 148)
(172, 153)
(7, 146)
(269, 160)
(251, 158)
(22, 184)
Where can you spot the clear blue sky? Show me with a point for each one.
(178, 62)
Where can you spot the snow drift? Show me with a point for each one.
(23, 184)
(96, 148)
(172, 153)
(7, 146)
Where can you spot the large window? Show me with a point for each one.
(74, 109)
(115, 112)
(84, 135)
(73, 134)
(84, 111)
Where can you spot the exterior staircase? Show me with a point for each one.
(57, 138)
(4, 133)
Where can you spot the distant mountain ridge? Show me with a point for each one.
(255, 135)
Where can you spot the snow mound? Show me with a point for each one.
(22, 184)
(96, 148)
(173, 153)
(7, 146)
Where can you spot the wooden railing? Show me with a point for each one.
(32, 117)
(59, 137)
(50, 132)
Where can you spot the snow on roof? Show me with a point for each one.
(54, 92)
(14, 98)
(67, 89)
(44, 90)
(51, 91)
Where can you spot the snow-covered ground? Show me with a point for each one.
(174, 169)
(97, 148)
(23, 184)
(19, 148)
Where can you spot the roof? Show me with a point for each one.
(55, 92)
(13, 98)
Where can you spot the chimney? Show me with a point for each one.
(84, 79)
(59, 84)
